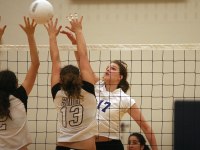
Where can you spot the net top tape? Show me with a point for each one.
(111, 47)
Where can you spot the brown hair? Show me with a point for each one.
(8, 83)
(123, 84)
(71, 81)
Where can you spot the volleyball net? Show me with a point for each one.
(159, 76)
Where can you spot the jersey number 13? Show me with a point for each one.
(72, 115)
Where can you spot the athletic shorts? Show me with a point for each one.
(65, 148)
(110, 145)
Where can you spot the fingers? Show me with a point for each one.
(4, 27)
(81, 19)
(76, 17)
(22, 27)
(56, 22)
(63, 32)
(70, 36)
(52, 27)
(67, 33)
(59, 29)
(68, 27)
(45, 26)
(71, 19)
(28, 21)
(25, 21)
(32, 23)
(51, 21)
(48, 23)
(35, 25)
(75, 23)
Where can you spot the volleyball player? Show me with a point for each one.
(113, 104)
(14, 131)
(136, 141)
(73, 93)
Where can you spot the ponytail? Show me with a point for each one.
(71, 82)
(4, 105)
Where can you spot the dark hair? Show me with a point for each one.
(71, 82)
(123, 84)
(141, 140)
(8, 83)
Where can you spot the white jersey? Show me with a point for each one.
(110, 109)
(14, 133)
(77, 118)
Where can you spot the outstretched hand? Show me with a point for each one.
(76, 25)
(70, 36)
(52, 27)
(2, 29)
(29, 28)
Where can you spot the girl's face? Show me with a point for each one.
(112, 74)
(134, 144)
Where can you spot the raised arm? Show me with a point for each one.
(135, 113)
(84, 64)
(29, 81)
(2, 29)
(54, 52)
(74, 42)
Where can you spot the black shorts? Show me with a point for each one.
(110, 145)
(66, 148)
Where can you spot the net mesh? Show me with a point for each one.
(159, 75)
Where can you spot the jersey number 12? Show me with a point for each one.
(3, 125)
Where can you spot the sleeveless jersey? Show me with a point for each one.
(111, 107)
(14, 133)
(77, 117)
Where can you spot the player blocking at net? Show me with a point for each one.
(73, 93)
(113, 104)
(14, 130)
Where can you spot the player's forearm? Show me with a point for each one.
(33, 50)
(81, 45)
(77, 58)
(1, 36)
(151, 138)
(54, 49)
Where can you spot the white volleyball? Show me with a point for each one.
(41, 11)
